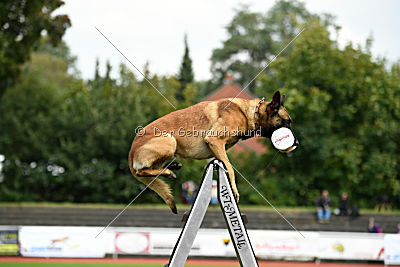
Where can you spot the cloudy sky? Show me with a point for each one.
(153, 30)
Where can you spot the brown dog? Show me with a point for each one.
(202, 131)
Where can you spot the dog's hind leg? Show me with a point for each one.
(148, 161)
(161, 188)
(156, 172)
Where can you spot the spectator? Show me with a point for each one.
(344, 205)
(189, 192)
(373, 227)
(324, 204)
(383, 203)
(355, 212)
(214, 192)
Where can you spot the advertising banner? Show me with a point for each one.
(132, 243)
(214, 242)
(142, 241)
(208, 242)
(351, 246)
(392, 249)
(269, 244)
(54, 241)
(9, 242)
(160, 241)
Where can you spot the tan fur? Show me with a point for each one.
(151, 152)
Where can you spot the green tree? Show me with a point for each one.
(29, 113)
(65, 140)
(253, 38)
(96, 71)
(344, 105)
(185, 75)
(22, 23)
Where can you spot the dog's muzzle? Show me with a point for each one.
(284, 140)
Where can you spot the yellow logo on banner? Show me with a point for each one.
(74, 246)
(338, 247)
(9, 249)
(226, 241)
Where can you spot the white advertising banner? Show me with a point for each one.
(269, 244)
(214, 242)
(132, 243)
(54, 241)
(161, 241)
(208, 242)
(392, 249)
(46, 241)
(351, 246)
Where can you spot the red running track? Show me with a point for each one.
(162, 261)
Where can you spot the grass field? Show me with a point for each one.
(159, 262)
(179, 206)
(37, 264)
(134, 206)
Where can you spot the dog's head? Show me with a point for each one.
(274, 116)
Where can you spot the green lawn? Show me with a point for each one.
(133, 206)
(37, 264)
(179, 206)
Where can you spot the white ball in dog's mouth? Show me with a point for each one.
(282, 138)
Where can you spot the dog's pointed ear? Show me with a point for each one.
(276, 100)
(283, 98)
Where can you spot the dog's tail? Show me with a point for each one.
(157, 185)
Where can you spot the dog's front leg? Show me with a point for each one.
(217, 146)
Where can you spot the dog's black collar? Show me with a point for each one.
(257, 113)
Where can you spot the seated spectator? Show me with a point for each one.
(324, 204)
(373, 227)
(344, 204)
(355, 212)
(189, 192)
(383, 203)
(214, 192)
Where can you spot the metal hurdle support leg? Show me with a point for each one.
(229, 207)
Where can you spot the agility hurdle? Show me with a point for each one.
(230, 210)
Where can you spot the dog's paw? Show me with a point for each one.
(171, 175)
(175, 166)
